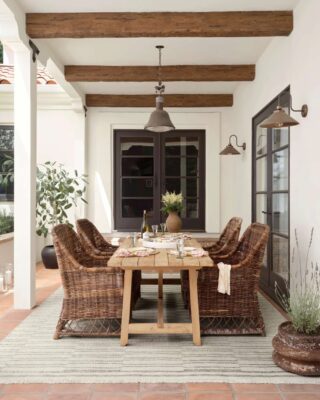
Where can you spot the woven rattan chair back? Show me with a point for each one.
(92, 239)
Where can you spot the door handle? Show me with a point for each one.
(266, 212)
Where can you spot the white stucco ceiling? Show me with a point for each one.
(154, 5)
(141, 51)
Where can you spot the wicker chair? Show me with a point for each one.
(238, 313)
(92, 303)
(226, 244)
(92, 239)
(95, 244)
(228, 239)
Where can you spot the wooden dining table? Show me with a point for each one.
(162, 262)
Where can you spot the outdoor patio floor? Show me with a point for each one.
(47, 282)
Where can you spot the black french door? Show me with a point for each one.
(271, 194)
(147, 164)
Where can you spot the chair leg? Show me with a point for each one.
(60, 325)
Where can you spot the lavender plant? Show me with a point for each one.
(303, 302)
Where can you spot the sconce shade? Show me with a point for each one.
(279, 119)
(229, 150)
(159, 120)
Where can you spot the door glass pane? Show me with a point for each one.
(184, 166)
(279, 137)
(138, 187)
(190, 208)
(280, 217)
(261, 141)
(280, 248)
(137, 166)
(188, 187)
(280, 170)
(136, 146)
(133, 208)
(261, 174)
(261, 205)
(182, 146)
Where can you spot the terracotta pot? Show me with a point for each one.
(296, 352)
(49, 257)
(173, 222)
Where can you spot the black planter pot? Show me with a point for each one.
(49, 257)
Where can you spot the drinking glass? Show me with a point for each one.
(163, 227)
(134, 238)
(154, 230)
(180, 248)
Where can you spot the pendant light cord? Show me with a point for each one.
(160, 87)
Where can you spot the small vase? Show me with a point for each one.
(174, 223)
(49, 257)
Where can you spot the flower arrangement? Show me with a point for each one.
(303, 303)
(172, 202)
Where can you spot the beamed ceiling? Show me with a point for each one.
(108, 48)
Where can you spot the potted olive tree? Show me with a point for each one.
(297, 343)
(57, 191)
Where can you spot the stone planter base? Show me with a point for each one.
(296, 352)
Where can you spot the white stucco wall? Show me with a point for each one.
(294, 61)
(102, 122)
(61, 138)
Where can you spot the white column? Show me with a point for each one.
(25, 113)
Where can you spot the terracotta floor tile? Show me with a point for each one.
(301, 396)
(210, 396)
(115, 387)
(26, 388)
(7, 324)
(68, 396)
(208, 387)
(23, 396)
(162, 396)
(254, 387)
(70, 388)
(16, 315)
(299, 388)
(162, 387)
(114, 396)
(258, 396)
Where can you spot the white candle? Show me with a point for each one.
(8, 277)
(1, 284)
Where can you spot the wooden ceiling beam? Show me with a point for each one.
(173, 73)
(159, 24)
(170, 100)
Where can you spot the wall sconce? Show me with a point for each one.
(230, 150)
(280, 119)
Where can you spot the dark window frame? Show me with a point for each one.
(130, 224)
(268, 276)
(9, 196)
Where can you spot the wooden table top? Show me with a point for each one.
(162, 261)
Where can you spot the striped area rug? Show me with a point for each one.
(30, 355)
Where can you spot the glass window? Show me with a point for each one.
(280, 170)
(261, 174)
(6, 162)
(280, 214)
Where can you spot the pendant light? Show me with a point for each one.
(230, 150)
(159, 120)
(280, 119)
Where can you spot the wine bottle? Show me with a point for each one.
(145, 227)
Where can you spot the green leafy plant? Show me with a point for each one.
(172, 202)
(6, 222)
(8, 169)
(57, 191)
(303, 303)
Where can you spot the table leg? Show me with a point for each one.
(160, 300)
(194, 303)
(126, 307)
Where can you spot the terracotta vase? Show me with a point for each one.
(296, 352)
(174, 223)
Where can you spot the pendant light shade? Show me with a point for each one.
(159, 120)
(279, 119)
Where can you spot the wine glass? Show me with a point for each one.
(154, 230)
(180, 248)
(163, 227)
